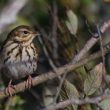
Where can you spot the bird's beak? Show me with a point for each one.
(36, 34)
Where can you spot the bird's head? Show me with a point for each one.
(23, 34)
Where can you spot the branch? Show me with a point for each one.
(85, 49)
(87, 100)
(47, 54)
(50, 75)
(9, 13)
(90, 43)
(54, 30)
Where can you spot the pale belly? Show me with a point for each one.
(19, 62)
(17, 71)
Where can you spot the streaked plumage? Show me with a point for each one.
(19, 54)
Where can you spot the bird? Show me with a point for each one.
(19, 55)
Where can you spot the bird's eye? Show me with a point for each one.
(25, 32)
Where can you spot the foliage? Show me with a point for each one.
(64, 30)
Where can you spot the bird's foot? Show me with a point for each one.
(29, 82)
(9, 88)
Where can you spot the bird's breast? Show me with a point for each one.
(13, 53)
(20, 61)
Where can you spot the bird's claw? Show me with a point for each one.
(29, 82)
(9, 88)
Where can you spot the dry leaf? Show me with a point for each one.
(94, 79)
(69, 91)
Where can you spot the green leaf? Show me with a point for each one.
(72, 22)
(93, 80)
(105, 104)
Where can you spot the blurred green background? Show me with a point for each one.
(65, 26)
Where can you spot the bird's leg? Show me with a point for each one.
(9, 88)
(29, 82)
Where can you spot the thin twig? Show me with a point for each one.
(48, 57)
(42, 31)
(90, 43)
(55, 45)
(101, 45)
(86, 48)
(54, 30)
(65, 103)
(47, 54)
(60, 86)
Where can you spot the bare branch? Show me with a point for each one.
(53, 67)
(47, 54)
(87, 100)
(86, 48)
(50, 75)
(54, 30)
(101, 45)
(90, 43)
